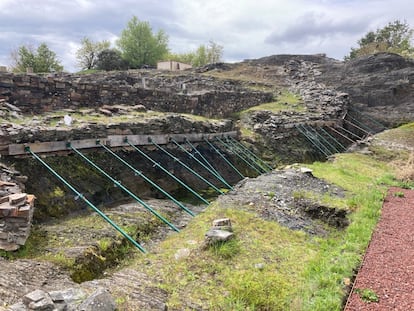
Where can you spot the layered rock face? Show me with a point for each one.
(193, 93)
(380, 85)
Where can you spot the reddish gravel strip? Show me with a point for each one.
(388, 266)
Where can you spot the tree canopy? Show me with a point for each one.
(140, 46)
(111, 59)
(203, 55)
(87, 55)
(40, 60)
(395, 37)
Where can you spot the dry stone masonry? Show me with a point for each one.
(16, 210)
(193, 94)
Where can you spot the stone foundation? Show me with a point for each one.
(194, 94)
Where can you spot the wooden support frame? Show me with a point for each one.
(112, 141)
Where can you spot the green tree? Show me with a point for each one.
(111, 59)
(203, 55)
(87, 55)
(40, 60)
(140, 46)
(395, 37)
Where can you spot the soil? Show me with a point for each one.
(387, 270)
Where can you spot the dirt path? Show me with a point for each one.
(387, 271)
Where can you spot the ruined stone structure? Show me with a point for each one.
(172, 65)
(198, 95)
(16, 210)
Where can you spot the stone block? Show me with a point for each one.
(222, 224)
(38, 300)
(17, 198)
(217, 235)
(99, 300)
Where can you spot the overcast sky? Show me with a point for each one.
(245, 28)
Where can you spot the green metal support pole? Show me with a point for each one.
(304, 133)
(366, 127)
(118, 184)
(100, 213)
(194, 148)
(318, 138)
(186, 167)
(239, 156)
(349, 132)
(356, 126)
(247, 155)
(148, 180)
(156, 164)
(335, 150)
(341, 134)
(224, 158)
(371, 119)
(333, 138)
(268, 167)
(202, 164)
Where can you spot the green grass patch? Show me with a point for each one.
(367, 294)
(253, 271)
(340, 254)
(285, 102)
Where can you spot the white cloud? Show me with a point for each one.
(246, 29)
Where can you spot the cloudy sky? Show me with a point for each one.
(245, 28)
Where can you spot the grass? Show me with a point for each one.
(286, 101)
(367, 294)
(225, 276)
(270, 267)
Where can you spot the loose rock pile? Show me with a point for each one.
(70, 299)
(16, 211)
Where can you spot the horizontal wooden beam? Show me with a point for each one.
(112, 141)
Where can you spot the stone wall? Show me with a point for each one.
(190, 93)
(16, 210)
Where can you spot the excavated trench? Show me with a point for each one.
(69, 232)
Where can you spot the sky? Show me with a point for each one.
(246, 29)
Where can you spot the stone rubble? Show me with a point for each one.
(65, 300)
(16, 210)
(221, 231)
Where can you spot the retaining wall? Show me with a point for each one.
(36, 94)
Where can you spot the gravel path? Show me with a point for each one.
(387, 271)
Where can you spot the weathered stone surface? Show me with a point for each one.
(217, 235)
(38, 300)
(380, 85)
(273, 196)
(202, 95)
(99, 300)
(223, 224)
(16, 210)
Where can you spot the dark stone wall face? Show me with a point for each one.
(204, 96)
